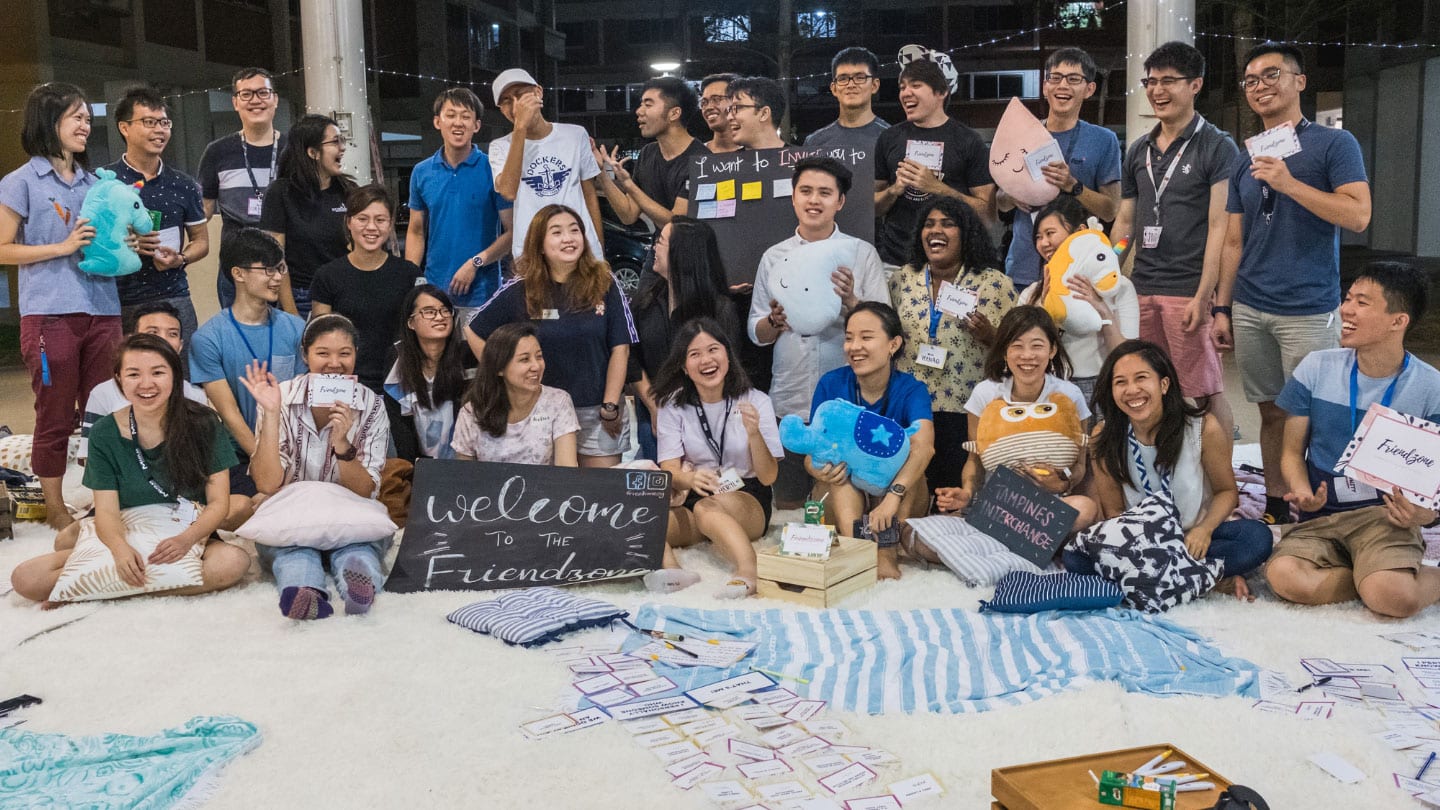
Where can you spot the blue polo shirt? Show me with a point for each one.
(1290, 260)
(462, 217)
(177, 197)
(48, 208)
(906, 399)
(1093, 153)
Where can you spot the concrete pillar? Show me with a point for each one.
(332, 33)
(1150, 24)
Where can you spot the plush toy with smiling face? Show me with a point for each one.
(114, 209)
(1019, 134)
(800, 282)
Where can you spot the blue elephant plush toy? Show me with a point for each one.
(114, 209)
(871, 446)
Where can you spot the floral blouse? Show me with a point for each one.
(949, 387)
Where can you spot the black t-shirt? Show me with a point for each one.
(666, 180)
(964, 165)
(371, 299)
(314, 227)
(655, 326)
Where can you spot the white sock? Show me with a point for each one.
(670, 580)
(736, 588)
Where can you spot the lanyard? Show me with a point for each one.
(140, 457)
(270, 329)
(1355, 390)
(274, 152)
(717, 448)
(879, 406)
(934, 312)
(1268, 197)
(1165, 181)
(1141, 466)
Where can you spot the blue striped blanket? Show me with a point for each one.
(954, 661)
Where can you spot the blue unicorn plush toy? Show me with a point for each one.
(872, 447)
(114, 209)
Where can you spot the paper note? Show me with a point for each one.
(597, 684)
(750, 751)
(725, 209)
(752, 190)
(706, 210)
(829, 729)
(806, 540)
(699, 774)
(1397, 740)
(674, 752)
(800, 748)
(956, 300)
(805, 709)
(654, 686)
(655, 738)
(783, 736)
(646, 708)
(721, 654)
(687, 716)
(1274, 684)
(714, 734)
(612, 697)
(825, 763)
(1042, 157)
(764, 768)
(784, 187)
(1393, 453)
(725, 190)
(545, 726)
(687, 764)
(705, 191)
(749, 682)
(783, 791)
(725, 792)
(328, 389)
(848, 778)
(1272, 707)
(913, 788)
(1276, 142)
(1336, 766)
(874, 803)
(1315, 709)
(930, 154)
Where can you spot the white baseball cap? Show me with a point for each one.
(509, 77)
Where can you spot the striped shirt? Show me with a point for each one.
(305, 453)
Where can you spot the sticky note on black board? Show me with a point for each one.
(1023, 517)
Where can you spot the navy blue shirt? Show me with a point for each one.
(1290, 261)
(906, 399)
(177, 197)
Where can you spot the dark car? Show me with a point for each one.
(627, 247)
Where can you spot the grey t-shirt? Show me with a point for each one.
(1175, 265)
(834, 136)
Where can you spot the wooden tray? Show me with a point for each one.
(1065, 784)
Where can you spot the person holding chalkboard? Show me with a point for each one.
(580, 315)
(874, 339)
(719, 441)
(952, 252)
(1026, 363)
(509, 415)
(340, 443)
(1150, 440)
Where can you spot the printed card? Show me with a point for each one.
(613, 697)
(719, 733)
(1276, 142)
(1271, 707)
(762, 723)
(545, 726)
(799, 748)
(783, 791)
(750, 751)
(645, 726)
(749, 682)
(1274, 684)
(784, 736)
(1042, 157)
(632, 675)
(653, 686)
(674, 752)
(1315, 709)
(687, 764)
(599, 683)
(647, 708)
(1392, 450)
(829, 729)
(930, 154)
(875, 757)
(849, 778)
(328, 389)
(772, 695)
(696, 775)
(886, 802)
(654, 738)
(725, 792)
(702, 726)
(825, 763)
(805, 709)
(806, 540)
(916, 787)
(728, 700)
(1396, 740)
(687, 716)
(587, 718)
(764, 769)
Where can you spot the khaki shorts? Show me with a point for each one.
(1361, 539)
(1269, 347)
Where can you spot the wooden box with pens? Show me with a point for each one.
(1075, 783)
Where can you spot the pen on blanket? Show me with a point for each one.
(1430, 760)
(681, 649)
(660, 634)
(795, 678)
(1316, 682)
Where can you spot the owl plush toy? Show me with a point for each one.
(1025, 434)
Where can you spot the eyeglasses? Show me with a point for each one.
(152, 123)
(733, 107)
(271, 272)
(264, 94)
(1072, 79)
(1166, 82)
(856, 78)
(718, 102)
(334, 142)
(433, 313)
(1269, 77)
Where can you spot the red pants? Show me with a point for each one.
(80, 353)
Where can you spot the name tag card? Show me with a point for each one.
(1042, 157)
(1392, 450)
(806, 540)
(930, 154)
(328, 389)
(956, 300)
(1278, 142)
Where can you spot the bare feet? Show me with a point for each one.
(1237, 586)
(887, 563)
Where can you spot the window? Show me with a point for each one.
(819, 24)
(998, 18)
(650, 32)
(999, 84)
(1079, 16)
(732, 28)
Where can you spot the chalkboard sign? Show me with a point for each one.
(479, 526)
(737, 194)
(1025, 518)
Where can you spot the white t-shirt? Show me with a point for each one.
(987, 391)
(1088, 352)
(529, 441)
(550, 173)
(106, 398)
(679, 434)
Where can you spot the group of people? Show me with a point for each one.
(503, 336)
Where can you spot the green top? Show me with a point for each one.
(112, 465)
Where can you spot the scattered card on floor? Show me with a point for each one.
(915, 787)
(1338, 767)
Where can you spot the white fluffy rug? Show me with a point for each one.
(402, 709)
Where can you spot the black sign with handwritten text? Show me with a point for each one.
(479, 526)
(1023, 517)
(767, 219)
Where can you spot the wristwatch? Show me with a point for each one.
(898, 490)
(1077, 190)
(477, 261)
(348, 455)
(1220, 311)
(609, 411)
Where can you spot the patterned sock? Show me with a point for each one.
(670, 580)
(301, 603)
(359, 591)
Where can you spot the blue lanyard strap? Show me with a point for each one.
(879, 406)
(1355, 390)
(1141, 467)
(270, 329)
(935, 313)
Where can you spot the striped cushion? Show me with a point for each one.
(1030, 448)
(534, 616)
(1024, 592)
(973, 556)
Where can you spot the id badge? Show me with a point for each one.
(186, 511)
(1348, 490)
(550, 314)
(730, 481)
(1151, 238)
(252, 208)
(932, 356)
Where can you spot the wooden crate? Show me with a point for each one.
(1065, 784)
(817, 583)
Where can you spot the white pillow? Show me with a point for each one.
(90, 571)
(973, 556)
(317, 514)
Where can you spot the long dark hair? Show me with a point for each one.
(189, 427)
(697, 273)
(585, 288)
(1111, 445)
(300, 170)
(449, 384)
(488, 397)
(674, 387)
(45, 108)
(977, 251)
(1017, 322)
